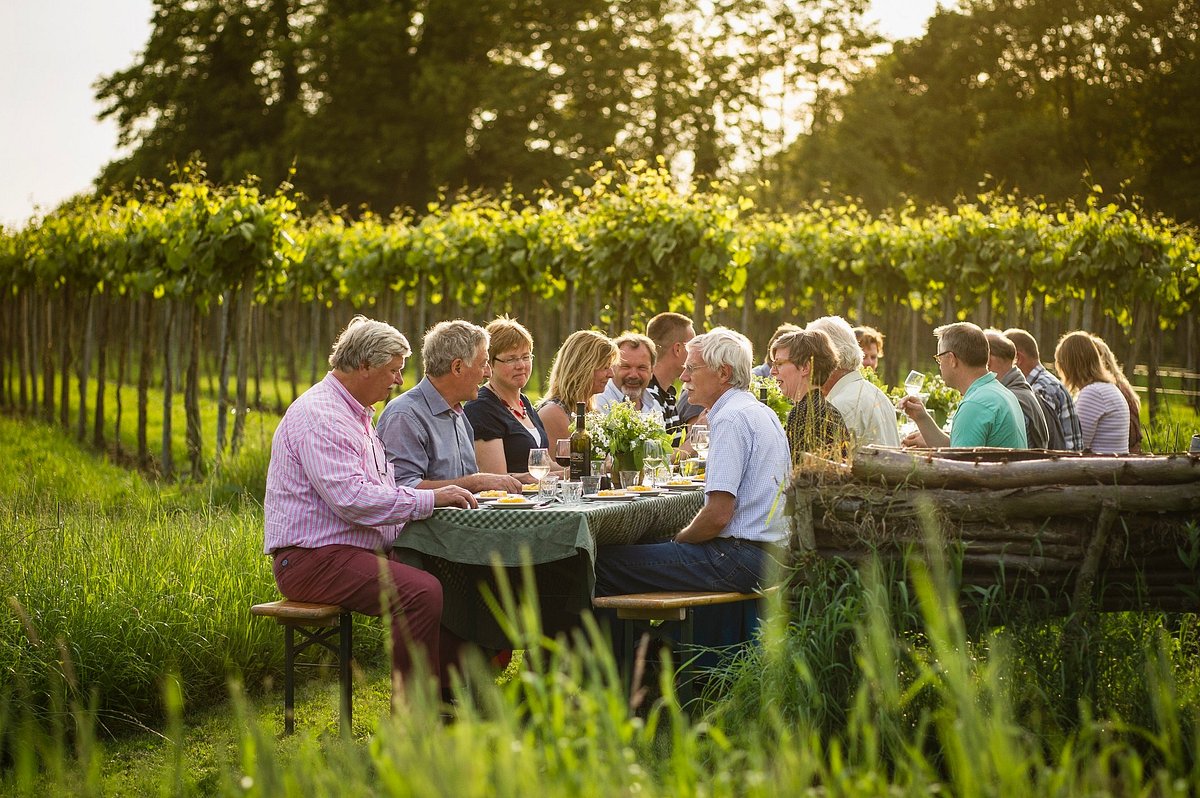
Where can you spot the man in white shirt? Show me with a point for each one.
(631, 377)
(869, 415)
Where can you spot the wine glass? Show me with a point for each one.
(562, 453)
(914, 382)
(698, 438)
(539, 464)
(653, 456)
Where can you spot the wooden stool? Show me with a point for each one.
(317, 624)
(636, 609)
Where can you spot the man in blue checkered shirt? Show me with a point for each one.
(1056, 400)
(739, 534)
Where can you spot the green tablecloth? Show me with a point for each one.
(459, 547)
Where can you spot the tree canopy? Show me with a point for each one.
(1047, 97)
(387, 103)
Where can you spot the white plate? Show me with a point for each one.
(486, 499)
(655, 492)
(525, 505)
(620, 497)
(689, 486)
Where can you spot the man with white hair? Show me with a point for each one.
(428, 437)
(734, 537)
(333, 510)
(867, 412)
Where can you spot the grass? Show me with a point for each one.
(131, 665)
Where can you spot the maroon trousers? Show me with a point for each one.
(370, 583)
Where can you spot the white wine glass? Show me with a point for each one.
(914, 382)
(539, 464)
(653, 457)
(698, 438)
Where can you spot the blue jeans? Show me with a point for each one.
(728, 564)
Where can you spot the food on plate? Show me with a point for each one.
(529, 488)
(681, 482)
(640, 489)
(613, 492)
(512, 500)
(492, 494)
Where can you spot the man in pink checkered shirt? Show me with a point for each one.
(333, 509)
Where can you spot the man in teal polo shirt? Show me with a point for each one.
(988, 415)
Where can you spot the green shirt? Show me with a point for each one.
(988, 415)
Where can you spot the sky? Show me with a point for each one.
(52, 52)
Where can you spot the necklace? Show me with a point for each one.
(518, 411)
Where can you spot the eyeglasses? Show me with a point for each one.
(509, 361)
(938, 357)
(691, 369)
(779, 362)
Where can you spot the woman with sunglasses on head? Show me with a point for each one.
(582, 367)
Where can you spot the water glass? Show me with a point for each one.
(629, 478)
(572, 491)
(590, 484)
(548, 488)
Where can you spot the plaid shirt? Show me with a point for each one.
(1055, 395)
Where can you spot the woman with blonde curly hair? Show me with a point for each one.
(582, 367)
(1102, 410)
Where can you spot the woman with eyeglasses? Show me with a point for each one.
(506, 427)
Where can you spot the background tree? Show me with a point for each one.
(1034, 95)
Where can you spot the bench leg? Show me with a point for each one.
(289, 680)
(345, 673)
(687, 671)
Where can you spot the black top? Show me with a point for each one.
(491, 419)
(815, 426)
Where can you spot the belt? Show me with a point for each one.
(765, 545)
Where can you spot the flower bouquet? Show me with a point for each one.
(621, 430)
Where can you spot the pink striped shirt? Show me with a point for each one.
(329, 481)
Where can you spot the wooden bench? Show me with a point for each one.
(638, 610)
(317, 624)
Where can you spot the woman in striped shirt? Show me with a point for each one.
(1102, 410)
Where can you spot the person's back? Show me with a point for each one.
(988, 415)
(867, 412)
(1037, 433)
(1104, 418)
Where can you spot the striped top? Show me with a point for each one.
(329, 481)
(1103, 418)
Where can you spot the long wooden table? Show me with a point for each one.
(461, 548)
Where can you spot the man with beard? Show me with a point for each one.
(631, 378)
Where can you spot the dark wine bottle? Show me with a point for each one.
(581, 446)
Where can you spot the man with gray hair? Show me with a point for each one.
(988, 414)
(428, 437)
(867, 412)
(732, 540)
(332, 508)
(1061, 418)
(1001, 354)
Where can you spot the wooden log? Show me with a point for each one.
(932, 469)
(1040, 502)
